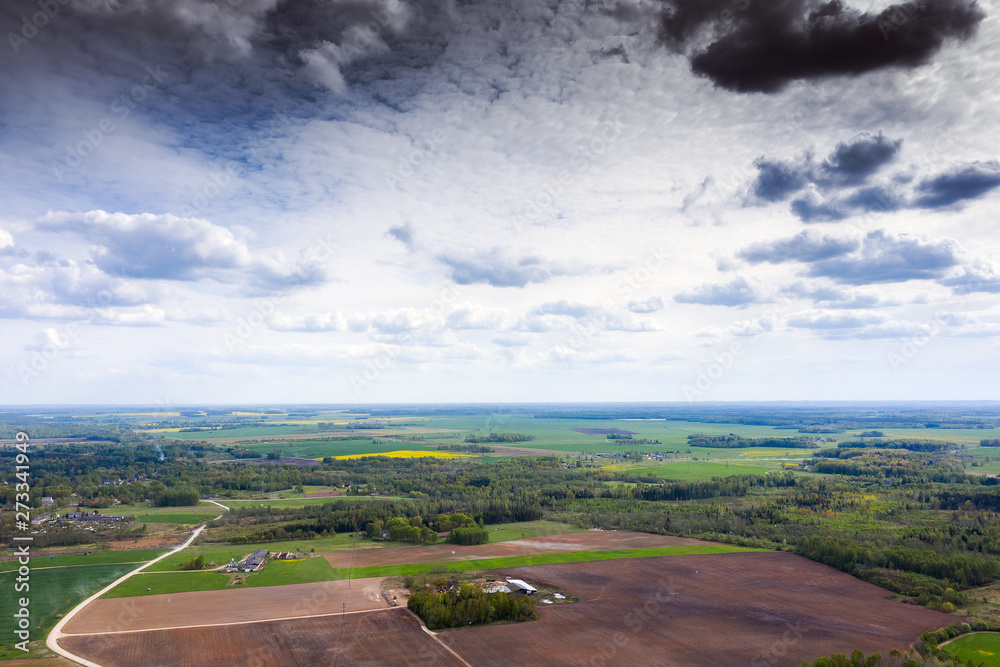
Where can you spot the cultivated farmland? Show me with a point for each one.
(227, 606)
(390, 637)
(731, 609)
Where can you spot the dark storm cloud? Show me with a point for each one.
(803, 247)
(815, 208)
(853, 162)
(763, 45)
(958, 185)
(841, 185)
(737, 292)
(850, 163)
(776, 180)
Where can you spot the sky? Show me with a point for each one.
(233, 201)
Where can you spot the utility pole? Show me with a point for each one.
(352, 561)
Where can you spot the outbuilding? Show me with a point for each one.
(519, 586)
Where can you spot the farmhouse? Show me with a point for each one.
(109, 519)
(519, 586)
(254, 561)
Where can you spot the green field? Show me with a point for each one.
(506, 532)
(979, 647)
(275, 573)
(180, 515)
(280, 573)
(222, 553)
(93, 558)
(169, 582)
(539, 559)
(53, 592)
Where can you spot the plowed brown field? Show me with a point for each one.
(746, 609)
(436, 553)
(177, 610)
(729, 609)
(390, 637)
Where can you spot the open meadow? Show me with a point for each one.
(53, 592)
(981, 648)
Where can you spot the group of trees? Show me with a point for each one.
(630, 440)
(469, 605)
(471, 448)
(733, 441)
(911, 444)
(500, 437)
(410, 530)
(855, 557)
(463, 529)
(193, 563)
(176, 496)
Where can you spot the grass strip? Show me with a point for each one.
(537, 559)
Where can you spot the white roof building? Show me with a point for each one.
(521, 586)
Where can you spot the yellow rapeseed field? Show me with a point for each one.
(404, 454)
